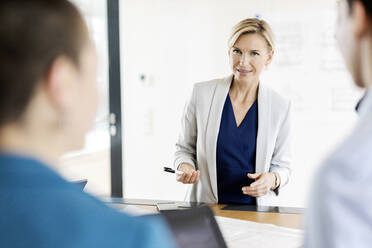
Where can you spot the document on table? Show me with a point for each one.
(241, 233)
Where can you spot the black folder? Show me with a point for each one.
(270, 209)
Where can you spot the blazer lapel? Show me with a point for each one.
(264, 113)
(213, 127)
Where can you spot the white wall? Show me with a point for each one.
(177, 43)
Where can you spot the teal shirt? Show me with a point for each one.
(38, 208)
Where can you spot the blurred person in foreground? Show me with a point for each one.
(48, 100)
(340, 212)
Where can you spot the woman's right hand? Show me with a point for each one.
(189, 176)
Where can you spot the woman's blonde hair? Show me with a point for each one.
(252, 26)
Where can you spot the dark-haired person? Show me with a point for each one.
(340, 212)
(47, 104)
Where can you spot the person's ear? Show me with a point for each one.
(269, 58)
(59, 83)
(361, 19)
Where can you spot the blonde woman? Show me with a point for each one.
(234, 146)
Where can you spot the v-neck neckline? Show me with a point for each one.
(233, 113)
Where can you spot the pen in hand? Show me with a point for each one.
(170, 170)
(188, 175)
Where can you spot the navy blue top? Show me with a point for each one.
(40, 209)
(236, 154)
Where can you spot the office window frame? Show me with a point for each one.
(115, 98)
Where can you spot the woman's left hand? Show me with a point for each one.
(264, 182)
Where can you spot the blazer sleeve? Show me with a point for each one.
(186, 144)
(282, 156)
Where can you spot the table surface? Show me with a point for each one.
(280, 219)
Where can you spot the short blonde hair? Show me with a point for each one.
(252, 26)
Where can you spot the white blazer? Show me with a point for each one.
(197, 141)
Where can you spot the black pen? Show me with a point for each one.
(170, 170)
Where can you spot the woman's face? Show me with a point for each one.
(248, 57)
